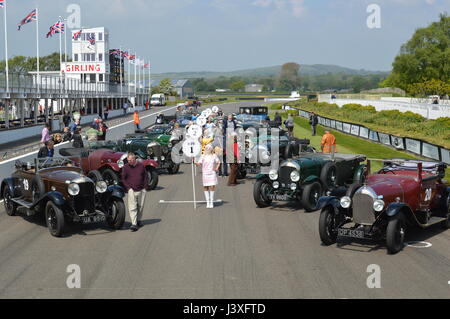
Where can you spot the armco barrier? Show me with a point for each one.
(415, 146)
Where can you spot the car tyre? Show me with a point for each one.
(96, 176)
(153, 178)
(110, 177)
(10, 206)
(395, 233)
(328, 176)
(259, 190)
(242, 172)
(55, 219)
(327, 227)
(116, 214)
(173, 168)
(310, 196)
(446, 223)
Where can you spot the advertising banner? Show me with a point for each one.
(355, 130)
(430, 151)
(413, 145)
(398, 142)
(364, 132)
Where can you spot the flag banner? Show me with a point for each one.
(146, 66)
(28, 19)
(58, 27)
(77, 35)
(91, 39)
(2, 3)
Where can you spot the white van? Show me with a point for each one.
(158, 100)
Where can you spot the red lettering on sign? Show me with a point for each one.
(77, 68)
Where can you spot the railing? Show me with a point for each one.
(51, 84)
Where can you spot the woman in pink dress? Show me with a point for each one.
(210, 165)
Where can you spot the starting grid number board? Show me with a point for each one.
(195, 131)
(192, 148)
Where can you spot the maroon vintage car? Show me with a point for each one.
(403, 193)
(106, 165)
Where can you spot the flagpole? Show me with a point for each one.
(65, 40)
(60, 45)
(121, 82)
(135, 79)
(6, 51)
(129, 76)
(37, 52)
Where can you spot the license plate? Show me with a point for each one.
(278, 197)
(351, 233)
(93, 219)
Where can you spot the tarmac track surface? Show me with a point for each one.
(232, 251)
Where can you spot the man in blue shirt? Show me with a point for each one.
(47, 151)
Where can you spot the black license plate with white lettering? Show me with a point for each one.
(93, 219)
(344, 232)
(279, 197)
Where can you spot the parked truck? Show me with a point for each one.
(158, 100)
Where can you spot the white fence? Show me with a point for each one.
(429, 111)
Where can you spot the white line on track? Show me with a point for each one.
(187, 202)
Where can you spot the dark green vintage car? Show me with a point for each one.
(158, 148)
(308, 177)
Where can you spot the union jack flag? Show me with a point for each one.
(29, 18)
(58, 27)
(2, 3)
(146, 66)
(124, 54)
(131, 57)
(91, 39)
(76, 35)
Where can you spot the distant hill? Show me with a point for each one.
(316, 69)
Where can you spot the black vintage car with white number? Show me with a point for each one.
(57, 188)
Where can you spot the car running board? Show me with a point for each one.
(433, 221)
(22, 202)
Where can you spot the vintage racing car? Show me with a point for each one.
(307, 177)
(57, 188)
(106, 165)
(403, 193)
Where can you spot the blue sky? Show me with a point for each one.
(226, 35)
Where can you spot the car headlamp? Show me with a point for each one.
(101, 187)
(276, 185)
(378, 205)
(346, 202)
(293, 187)
(265, 155)
(273, 175)
(74, 189)
(163, 158)
(295, 176)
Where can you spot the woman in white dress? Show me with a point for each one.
(210, 165)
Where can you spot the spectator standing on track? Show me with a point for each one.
(232, 181)
(104, 129)
(77, 139)
(135, 181)
(67, 137)
(314, 121)
(46, 134)
(137, 120)
(210, 165)
(289, 124)
(328, 143)
(278, 120)
(106, 112)
(66, 119)
(73, 127)
(47, 151)
(125, 108)
(229, 126)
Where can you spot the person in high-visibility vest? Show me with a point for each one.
(329, 143)
(137, 120)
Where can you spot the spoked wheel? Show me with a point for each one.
(110, 177)
(395, 233)
(153, 178)
(328, 176)
(10, 206)
(310, 196)
(328, 227)
(116, 214)
(446, 223)
(55, 219)
(261, 191)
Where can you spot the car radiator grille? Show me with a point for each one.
(285, 175)
(155, 151)
(86, 199)
(363, 213)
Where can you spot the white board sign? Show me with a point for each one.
(215, 109)
(413, 145)
(201, 121)
(192, 148)
(195, 132)
(430, 151)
